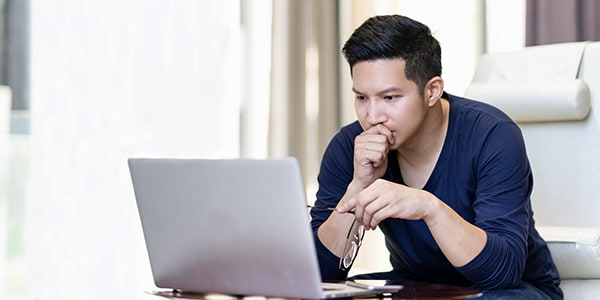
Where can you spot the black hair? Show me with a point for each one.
(395, 36)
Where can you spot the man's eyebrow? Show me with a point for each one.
(385, 91)
(390, 90)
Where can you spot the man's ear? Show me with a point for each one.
(434, 90)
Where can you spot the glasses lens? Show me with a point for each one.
(353, 242)
(360, 233)
(349, 256)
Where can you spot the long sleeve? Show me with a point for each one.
(502, 208)
(335, 174)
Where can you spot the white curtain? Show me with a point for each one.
(112, 80)
(304, 82)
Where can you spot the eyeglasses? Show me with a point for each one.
(324, 208)
(353, 241)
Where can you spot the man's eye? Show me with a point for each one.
(390, 97)
(361, 98)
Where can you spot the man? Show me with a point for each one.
(446, 179)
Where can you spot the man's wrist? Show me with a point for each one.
(432, 208)
(355, 187)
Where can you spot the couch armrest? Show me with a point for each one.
(576, 250)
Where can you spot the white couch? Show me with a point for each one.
(553, 92)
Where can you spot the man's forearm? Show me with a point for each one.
(332, 233)
(459, 240)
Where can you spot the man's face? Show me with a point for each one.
(385, 96)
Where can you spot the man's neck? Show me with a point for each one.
(418, 157)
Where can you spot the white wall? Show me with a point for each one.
(110, 80)
(505, 25)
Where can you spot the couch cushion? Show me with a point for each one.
(576, 250)
(535, 101)
(581, 289)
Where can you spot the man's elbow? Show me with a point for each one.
(505, 276)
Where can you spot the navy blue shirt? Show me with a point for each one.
(483, 173)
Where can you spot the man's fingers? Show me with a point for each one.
(381, 130)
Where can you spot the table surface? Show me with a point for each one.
(411, 290)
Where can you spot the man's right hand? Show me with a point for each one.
(371, 149)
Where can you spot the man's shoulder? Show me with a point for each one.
(352, 127)
(350, 130)
(480, 123)
(342, 143)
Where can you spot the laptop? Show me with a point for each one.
(237, 226)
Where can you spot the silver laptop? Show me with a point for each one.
(237, 227)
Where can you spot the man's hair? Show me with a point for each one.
(395, 36)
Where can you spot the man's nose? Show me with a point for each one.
(376, 112)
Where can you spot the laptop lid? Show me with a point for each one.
(235, 226)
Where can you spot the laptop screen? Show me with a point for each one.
(235, 226)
